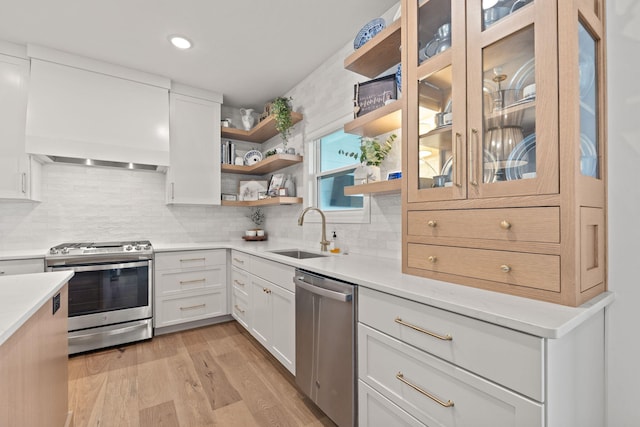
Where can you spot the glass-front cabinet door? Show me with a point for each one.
(513, 98)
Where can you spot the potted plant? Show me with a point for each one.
(372, 153)
(257, 216)
(281, 111)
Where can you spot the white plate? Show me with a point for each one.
(588, 156)
(522, 160)
(525, 75)
(252, 157)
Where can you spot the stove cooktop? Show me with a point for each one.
(93, 248)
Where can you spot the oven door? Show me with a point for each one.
(104, 294)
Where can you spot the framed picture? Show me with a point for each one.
(250, 190)
(276, 181)
(371, 95)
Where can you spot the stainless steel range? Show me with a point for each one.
(110, 294)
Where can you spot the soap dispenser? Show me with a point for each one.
(334, 247)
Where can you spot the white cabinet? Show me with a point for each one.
(428, 366)
(189, 286)
(21, 266)
(92, 110)
(19, 173)
(194, 172)
(270, 315)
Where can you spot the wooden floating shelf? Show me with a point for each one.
(380, 187)
(378, 54)
(262, 132)
(268, 165)
(272, 201)
(383, 120)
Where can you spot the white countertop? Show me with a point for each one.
(537, 318)
(22, 295)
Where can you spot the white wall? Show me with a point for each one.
(623, 320)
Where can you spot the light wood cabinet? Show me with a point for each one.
(19, 172)
(504, 148)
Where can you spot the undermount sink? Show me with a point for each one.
(298, 254)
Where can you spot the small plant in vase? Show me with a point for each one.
(372, 153)
(281, 111)
(257, 216)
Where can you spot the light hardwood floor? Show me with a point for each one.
(212, 376)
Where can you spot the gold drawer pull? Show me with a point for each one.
(188, 282)
(424, 331)
(238, 260)
(193, 307)
(193, 259)
(432, 259)
(505, 268)
(433, 224)
(447, 404)
(505, 225)
(238, 309)
(237, 282)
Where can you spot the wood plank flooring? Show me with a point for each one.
(212, 376)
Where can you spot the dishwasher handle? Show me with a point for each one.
(339, 296)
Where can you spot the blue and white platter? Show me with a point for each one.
(368, 31)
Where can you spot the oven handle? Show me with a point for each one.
(101, 267)
(110, 332)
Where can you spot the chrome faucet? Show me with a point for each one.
(324, 243)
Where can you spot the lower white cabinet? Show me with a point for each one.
(418, 365)
(268, 288)
(21, 266)
(189, 286)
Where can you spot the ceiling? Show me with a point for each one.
(249, 50)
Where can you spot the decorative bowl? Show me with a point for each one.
(368, 31)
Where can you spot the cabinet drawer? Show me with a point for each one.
(510, 358)
(375, 410)
(184, 260)
(515, 268)
(517, 224)
(21, 266)
(171, 311)
(240, 281)
(168, 283)
(240, 307)
(241, 260)
(274, 272)
(405, 375)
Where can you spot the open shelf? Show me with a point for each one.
(272, 201)
(383, 120)
(380, 187)
(260, 133)
(378, 54)
(268, 165)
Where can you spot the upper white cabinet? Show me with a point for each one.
(19, 174)
(87, 109)
(194, 174)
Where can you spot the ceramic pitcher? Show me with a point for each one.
(247, 118)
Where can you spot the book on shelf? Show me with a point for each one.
(227, 152)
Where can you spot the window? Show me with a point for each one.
(334, 171)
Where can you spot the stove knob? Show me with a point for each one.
(138, 248)
(147, 247)
(128, 248)
(65, 250)
(53, 251)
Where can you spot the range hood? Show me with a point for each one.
(104, 163)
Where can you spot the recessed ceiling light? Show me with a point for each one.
(180, 42)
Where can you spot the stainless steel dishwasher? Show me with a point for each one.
(325, 344)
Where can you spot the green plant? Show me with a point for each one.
(257, 216)
(281, 111)
(372, 152)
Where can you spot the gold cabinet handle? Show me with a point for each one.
(237, 282)
(238, 308)
(238, 260)
(432, 223)
(505, 268)
(447, 404)
(424, 331)
(432, 259)
(192, 259)
(454, 166)
(472, 158)
(505, 225)
(193, 307)
(188, 282)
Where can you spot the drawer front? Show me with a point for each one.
(510, 358)
(240, 281)
(241, 260)
(375, 410)
(172, 311)
(21, 266)
(186, 260)
(274, 272)
(515, 268)
(436, 392)
(515, 224)
(170, 283)
(240, 307)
